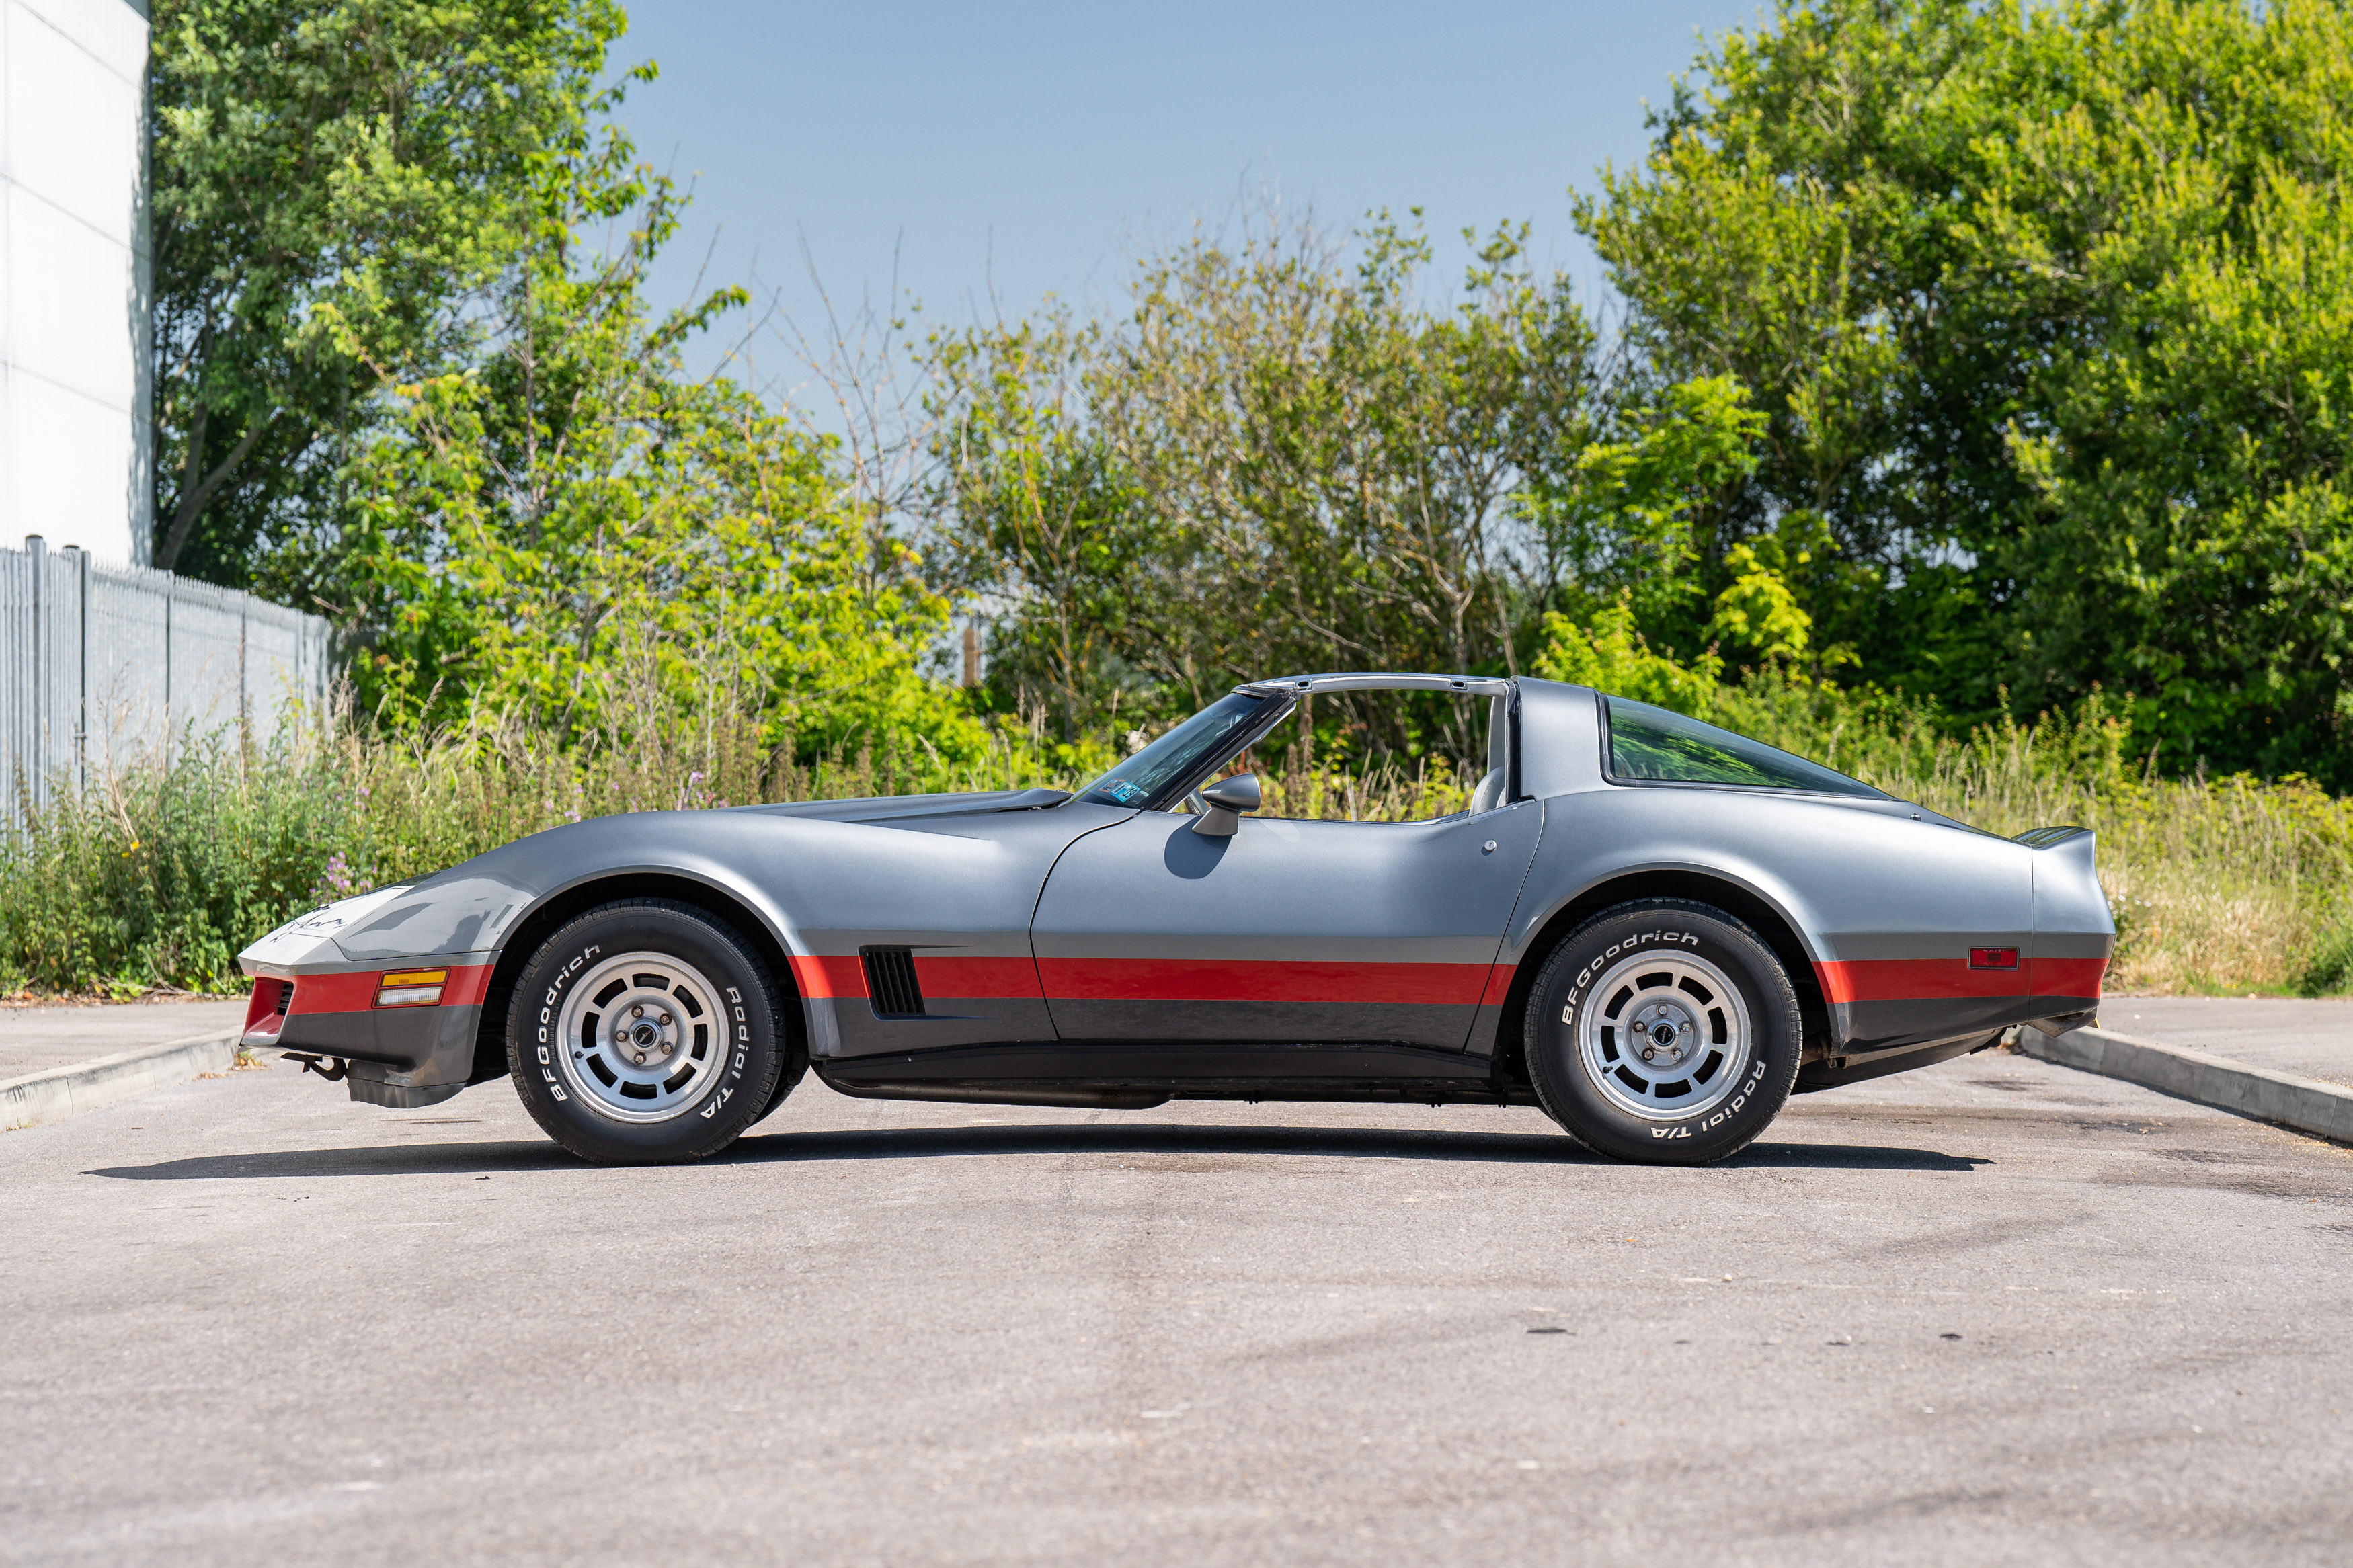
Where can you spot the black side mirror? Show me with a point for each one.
(1226, 800)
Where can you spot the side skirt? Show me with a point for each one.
(1136, 1075)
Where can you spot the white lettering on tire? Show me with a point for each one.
(1584, 975)
(1726, 1114)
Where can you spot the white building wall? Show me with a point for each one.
(76, 441)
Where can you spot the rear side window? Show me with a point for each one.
(1654, 745)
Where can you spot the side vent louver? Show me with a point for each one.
(890, 983)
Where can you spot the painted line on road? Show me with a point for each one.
(2305, 1104)
(40, 1097)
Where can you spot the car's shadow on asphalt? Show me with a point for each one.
(941, 1142)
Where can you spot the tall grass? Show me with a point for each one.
(154, 878)
(422, 803)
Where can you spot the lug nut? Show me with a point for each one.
(637, 1012)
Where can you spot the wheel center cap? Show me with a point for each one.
(1658, 1039)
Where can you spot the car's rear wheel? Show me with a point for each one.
(1664, 1032)
(645, 1031)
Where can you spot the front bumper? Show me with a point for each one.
(398, 1056)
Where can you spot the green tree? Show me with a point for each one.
(1280, 460)
(1631, 516)
(1047, 524)
(2045, 308)
(572, 534)
(330, 181)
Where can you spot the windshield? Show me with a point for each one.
(1157, 775)
(1647, 742)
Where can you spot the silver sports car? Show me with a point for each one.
(1652, 929)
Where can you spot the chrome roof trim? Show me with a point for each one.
(1364, 680)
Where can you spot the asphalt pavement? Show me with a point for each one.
(1994, 1312)
(2311, 1039)
(37, 1038)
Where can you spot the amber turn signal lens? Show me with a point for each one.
(411, 988)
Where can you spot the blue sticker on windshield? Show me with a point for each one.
(1125, 792)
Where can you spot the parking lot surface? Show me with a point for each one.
(35, 1039)
(1995, 1312)
(2311, 1039)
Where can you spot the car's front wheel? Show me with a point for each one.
(1664, 1032)
(645, 1031)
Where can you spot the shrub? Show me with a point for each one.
(155, 876)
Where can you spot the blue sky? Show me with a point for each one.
(1032, 148)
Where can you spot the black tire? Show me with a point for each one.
(709, 1069)
(796, 1068)
(1721, 1065)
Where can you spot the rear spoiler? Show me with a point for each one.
(2050, 838)
(2075, 845)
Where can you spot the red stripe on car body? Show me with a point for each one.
(468, 984)
(1248, 980)
(352, 993)
(828, 974)
(1945, 979)
(355, 992)
(843, 976)
(2069, 976)
(1913, 980)
(979, 979)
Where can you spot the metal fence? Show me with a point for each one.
(102, 665)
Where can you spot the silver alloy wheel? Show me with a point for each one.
(1663, 1036)
(645, 1037)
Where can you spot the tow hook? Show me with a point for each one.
(318, 1065)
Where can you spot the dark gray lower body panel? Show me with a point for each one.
(409, 1046)
(372, 1092)
(1838, 1071)
(1137, 1074)
(1871, 1027)
(946, 1021)
(1432, 1026)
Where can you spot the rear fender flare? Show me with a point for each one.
(1760, 902)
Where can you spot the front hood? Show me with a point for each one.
(470, 908)
(311, 938)
(890, 807)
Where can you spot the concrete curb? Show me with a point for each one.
(2308, 1105)
(60, 1092)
